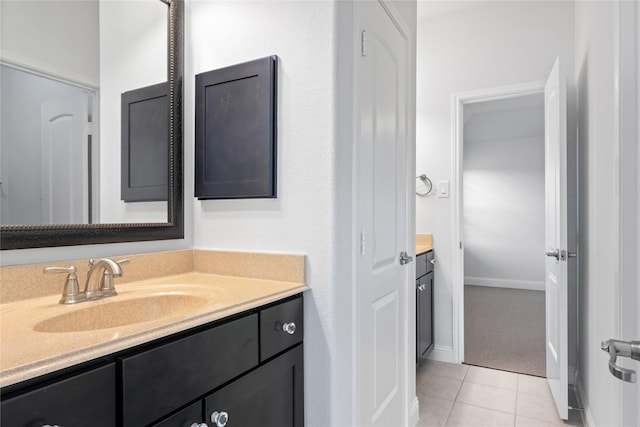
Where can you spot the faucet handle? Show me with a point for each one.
(71, 291)
(106, 283)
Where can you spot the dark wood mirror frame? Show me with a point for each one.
(38, 236)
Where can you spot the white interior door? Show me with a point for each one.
(65, 162)
(629, 228)
(556, 238)
(382, 214)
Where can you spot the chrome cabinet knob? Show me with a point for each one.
(49, 425)
(220, 418)
(199, 425)
(289, 328)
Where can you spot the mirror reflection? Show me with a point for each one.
(65, 66)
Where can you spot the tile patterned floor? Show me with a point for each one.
(462, 395)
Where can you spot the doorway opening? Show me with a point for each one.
(501, 228)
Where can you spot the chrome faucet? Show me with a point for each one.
(101, 286)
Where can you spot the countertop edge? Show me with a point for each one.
(421, 249)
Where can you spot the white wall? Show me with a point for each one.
(595, 74)
(487, 45)
(503, 197)
(58, 37)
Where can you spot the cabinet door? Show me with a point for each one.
(270, 396)
(87, 399)
(424, 315)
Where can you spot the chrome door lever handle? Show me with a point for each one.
(617, 348)
(405, 258)
(555, 254)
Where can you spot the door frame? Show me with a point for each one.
(458, 101)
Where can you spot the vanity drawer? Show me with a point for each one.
(87, 399)
(421, 265)
(273, 339)
(429, 261)
(165, 378)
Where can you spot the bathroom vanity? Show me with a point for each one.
(247, 368)
(187, 350)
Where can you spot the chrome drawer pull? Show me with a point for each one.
(219, 418)
(289, 328)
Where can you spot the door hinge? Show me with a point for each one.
(363, 40)
(362, 241)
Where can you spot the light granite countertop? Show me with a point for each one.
(26, 351)
(424, 243)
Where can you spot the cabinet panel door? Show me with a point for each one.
(425, 315)
(270, 396)
(163, 379)
(87, 399)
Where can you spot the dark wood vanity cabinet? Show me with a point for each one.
(424, 304)
(249, 367)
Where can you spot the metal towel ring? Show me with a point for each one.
(427, 183)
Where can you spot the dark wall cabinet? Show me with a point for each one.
(236, 131)
(244, 371)
(424, 305)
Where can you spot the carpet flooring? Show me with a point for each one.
(505, 329)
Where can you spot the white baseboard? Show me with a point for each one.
(587, 418)
(414, 412)
(441, 353)
(532, 285)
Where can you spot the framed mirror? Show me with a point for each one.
(54, 190)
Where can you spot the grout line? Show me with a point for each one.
(484, 407)
(515, 415)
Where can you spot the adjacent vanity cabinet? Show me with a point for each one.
(424, 304)
(246, 370)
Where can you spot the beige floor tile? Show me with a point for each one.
(537, 407)
(533, 385)
(463, 415)
(432, 368)
(433, 411)
(441, 387)
(492, 377)
(532, 422)
(499, 399)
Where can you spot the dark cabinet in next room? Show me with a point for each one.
(424, 304)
